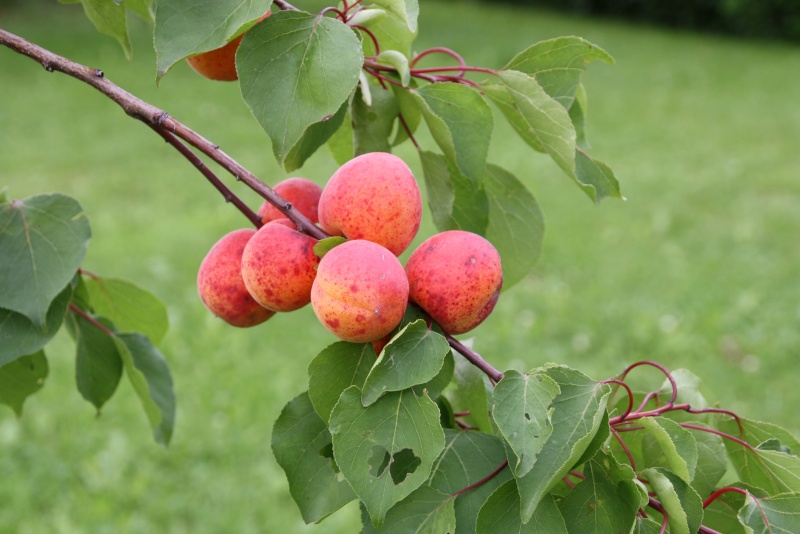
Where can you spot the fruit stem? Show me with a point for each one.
(227, 194)
(474, 358)
(76, 310)
(155, 117)
(482, 481)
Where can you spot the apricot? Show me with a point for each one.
(220, 63)
(220, 284)
(361, 291)
(374, 197)
(455, 276)
(301, 193)
(278, 266)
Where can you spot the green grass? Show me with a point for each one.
(698, 268)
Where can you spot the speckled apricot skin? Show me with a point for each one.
(301, 193)
(220, 284)
(361, 291)
(278, 266)
(455, 276)
(219, 64)
(374, 197)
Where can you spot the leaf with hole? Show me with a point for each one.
(386, 450)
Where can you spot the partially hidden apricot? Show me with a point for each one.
(220, 63)
(301, 193)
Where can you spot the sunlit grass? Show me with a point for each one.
(698, 268)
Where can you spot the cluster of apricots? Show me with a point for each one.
(359, 290)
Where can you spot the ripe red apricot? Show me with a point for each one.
(220, 63)
(220, 284)
(456, 277)
(301, 193)
(278, 266)
(374, 197)
(361, 291)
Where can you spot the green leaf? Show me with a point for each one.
(296, 70)
(558, 64)
(500, 514)
(410, 113)
(667, 444)
(456, 203)
(333, 370)
(522, 412)
(578, 411)
(607, 500)
(682, 503)
(143, 8)
(399, 61)
(386, 450)
(516, 224)
(646, 525)
(424, 511)
(722, 514)
(595, 178)
(110, 18)
(302, 447)
(712, 462)
(4, 195)
(414, 356)
(688, 386)
(538, 119)
(772, 470)
(405, 10)
(373, 123)
(438, 383)
(130, 307)
(324, 246)
(472, 394)
(188, 27)
(98, 365)
(20, 336)
(316, 135)
(148, 373)
(461, 123)
(42, 244)
(469, 457)
(577, 114)
(22, 378)
(774, 514)
(392, 32)
(340, 143)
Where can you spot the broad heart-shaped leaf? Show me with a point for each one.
(516, 224)
(130, 307)
(20, 336)
(772, 470)
(187, 27)
(425, 511)
(22, 378)
(110, 18)
(406, 10)
(578, 411)
(539, 120)
(301, 444)
(500, 514)
(667, 444)
(461, 123)
(414, 356)
(471, 394)
(456, 203)
(98, 365)
(469, 457)
(558, 64)
(148, 373)
(774, 514)
(607, 500)
(522, 412)
(387, 450)
(373, 123)
(42, 243)
(314, 137)
(712, 462)
(333, 370)
(295, 70)
(682, 503)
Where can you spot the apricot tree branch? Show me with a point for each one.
(157, 119)
(474, 358)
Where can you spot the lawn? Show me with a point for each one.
(698, 268)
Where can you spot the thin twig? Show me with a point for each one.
(94, 322)
(475, 358)
(482, 481)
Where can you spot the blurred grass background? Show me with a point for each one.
(698, 268)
